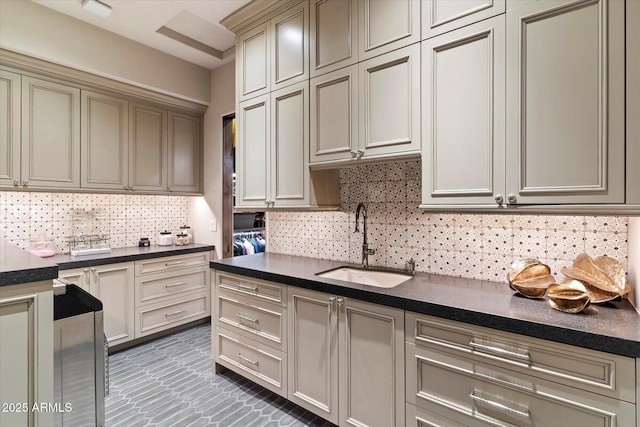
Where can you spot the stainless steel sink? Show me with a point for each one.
(371, 277)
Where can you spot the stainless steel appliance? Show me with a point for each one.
(80, 357)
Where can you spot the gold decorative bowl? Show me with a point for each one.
(530, 277)
(604, 277)
(570, 296)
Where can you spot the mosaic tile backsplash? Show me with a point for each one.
(475, 246)
(125, 218)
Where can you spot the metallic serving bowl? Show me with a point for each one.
(530, 277)
(569, 296)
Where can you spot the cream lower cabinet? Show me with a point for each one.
(113, 285)
(26, 366)
(171, 291)
(346, 359)
(464, 375)
(250, 329)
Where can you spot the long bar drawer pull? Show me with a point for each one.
(172, 264)
(247, 287)
(499, 406)
(241, 357)
(173, 285)
(499, 351)
(248, 319)
(175, 313)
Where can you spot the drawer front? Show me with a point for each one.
(266, 323)
(486, 395)
(161, 285)
(159, 317)
(418, 417)
(589, 370)
(257, 362)
(261, 290)
(178, 262)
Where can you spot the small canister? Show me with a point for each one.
(144, 242)
(165, 238)
(187, 230)
(182, 239)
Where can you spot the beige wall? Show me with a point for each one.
(204, 210)
(35, 30)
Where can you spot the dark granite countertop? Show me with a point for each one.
(610, 327)
(66, 262)
(18, 266)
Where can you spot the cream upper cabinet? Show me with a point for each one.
(185, 152)
(334, 116)
(273, 54)
(104, 141)
(253, 151)
(290, 47)
(441, 16)
(386, 25)
(147, 148)
(463, 110)
(389, 103)
(334, 35)
(50, 134)
(346, 359)
(10, 95)
(272, 154)
(566, 102)
(633, 103)
(253, 73)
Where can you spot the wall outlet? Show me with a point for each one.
(213, 225)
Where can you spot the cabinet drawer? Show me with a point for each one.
(259, 363)
(159, 317)
(260, 290)
(486, 395)
(585, 369)
(266, 323)
(418, 417)
(156, 265)
(160, 285)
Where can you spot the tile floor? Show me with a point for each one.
(169, 382)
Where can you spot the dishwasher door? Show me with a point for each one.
(79, 358)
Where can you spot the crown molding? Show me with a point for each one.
(254, 12)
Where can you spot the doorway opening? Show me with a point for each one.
(237, 227)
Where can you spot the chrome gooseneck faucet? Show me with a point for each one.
(365, 246)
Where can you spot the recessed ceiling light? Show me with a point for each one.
(97, 7)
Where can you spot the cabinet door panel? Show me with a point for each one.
(440, 16)
(334, 35)
(463, 114)
(148, 148)
(313, 353)
(105, 141)
(50, 134)
(371, 375)
(565, 101)
(289, 145)
(185, 159)
(290, 46)
(334, 115)
(390, 103)
(386, 25)
(253, 70)
(113, 285)
(252, 163)
(10, 94)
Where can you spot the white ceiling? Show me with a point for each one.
(190, 29)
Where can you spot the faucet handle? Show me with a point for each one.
(371, 251)
(411, 266)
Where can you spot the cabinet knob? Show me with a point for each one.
(332, 300)
(340, 301)
(499, 199)
(511, 198)
(86, 270)
(354, 153)
(16, 183)
(359, 154)
(25, 182)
